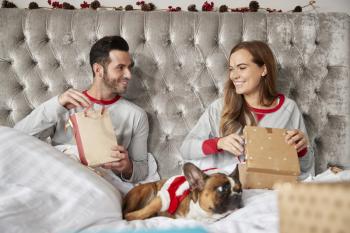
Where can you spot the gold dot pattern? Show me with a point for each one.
(314, 208)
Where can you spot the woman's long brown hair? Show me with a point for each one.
(236, 113)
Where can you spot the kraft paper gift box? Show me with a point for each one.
(314, 207)
(269, 159)
(94, 136)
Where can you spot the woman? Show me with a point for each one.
(250, 98)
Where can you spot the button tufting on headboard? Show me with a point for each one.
(46, 39)
(21, 87)
(22, 40)
(34, 62)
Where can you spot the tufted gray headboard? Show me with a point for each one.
(181, 66)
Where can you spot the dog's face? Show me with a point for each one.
(216, 193)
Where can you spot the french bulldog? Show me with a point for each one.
(201, 195)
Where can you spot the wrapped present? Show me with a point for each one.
(269, 158)
(94, 136)
(314, 207)
(261, 180)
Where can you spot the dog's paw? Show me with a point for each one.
(130, 216)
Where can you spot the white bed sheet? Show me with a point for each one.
(42, 190)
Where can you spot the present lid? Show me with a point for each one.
(267, 151)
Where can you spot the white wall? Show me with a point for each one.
(284, 5)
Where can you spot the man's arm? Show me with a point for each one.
(48, 113)
(133, 164)
(138, 151)
(41, 118)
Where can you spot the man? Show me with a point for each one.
(111, 63)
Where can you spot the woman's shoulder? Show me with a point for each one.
(287, 100)
(289, 103)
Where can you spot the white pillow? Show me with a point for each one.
(41, 188)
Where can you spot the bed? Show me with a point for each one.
(180, 67)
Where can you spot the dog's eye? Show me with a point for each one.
(227, 187)
(224, 188)
(220, 189)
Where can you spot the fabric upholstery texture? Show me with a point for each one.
(181, 67)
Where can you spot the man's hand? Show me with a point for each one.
(73, 98)
(123, 165)
(232, 143)
(297, 138)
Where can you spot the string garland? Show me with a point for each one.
(253, 6)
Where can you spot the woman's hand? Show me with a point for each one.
(232, 143)
(297, 138)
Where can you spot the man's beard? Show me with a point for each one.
(113, 84)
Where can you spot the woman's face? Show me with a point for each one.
(244, 73)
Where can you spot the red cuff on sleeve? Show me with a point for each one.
(302, 152)
(210, 146)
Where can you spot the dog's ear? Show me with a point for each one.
(194, 176)
(235, 175)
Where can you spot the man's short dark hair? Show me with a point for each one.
(99, 52)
